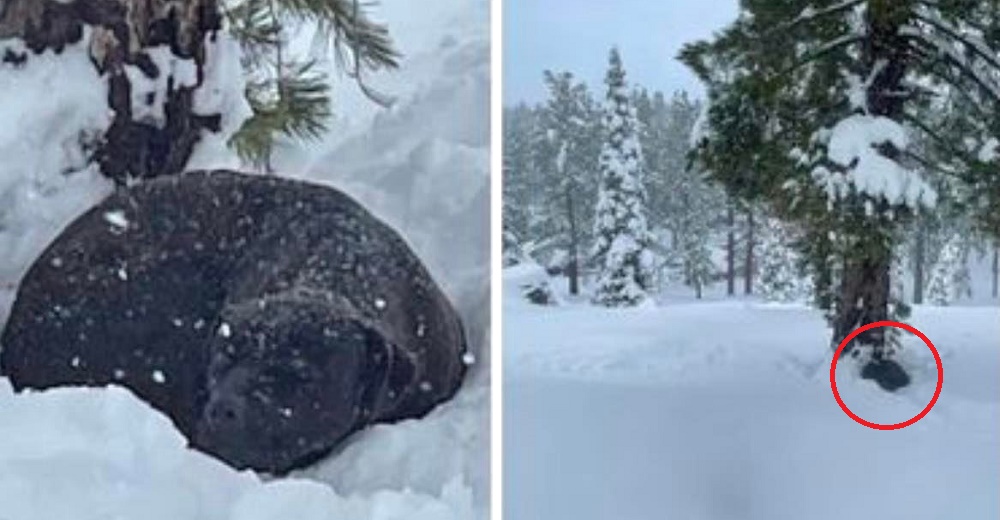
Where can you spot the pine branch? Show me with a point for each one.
(954, 34)
(946, 144)
(956, 85)
(252, 25)
(992, 91)
(290, 99)
(295, 104)
(828, 48)
(937, 6)
(359, 44)
(814, 15)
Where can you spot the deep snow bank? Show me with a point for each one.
(101, 453)
(45, 180)
(723, 410)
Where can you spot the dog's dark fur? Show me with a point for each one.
(268, 318)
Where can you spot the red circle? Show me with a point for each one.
(904, 424)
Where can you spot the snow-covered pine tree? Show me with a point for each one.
(568, 162)
(622, 239)
(939, 287)
(680, 200)
(826, 99)
(780, 276)
(949, 277)
(522, 181)
(694, 219)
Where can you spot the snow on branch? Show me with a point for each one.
(810, 13)
(853, 147)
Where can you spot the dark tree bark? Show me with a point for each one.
(121, 32)
(573, 268)
(864, 298)
(748, 262)
(919, 261)
(730, 250)
(996, 271)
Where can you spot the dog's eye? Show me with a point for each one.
(283, 376)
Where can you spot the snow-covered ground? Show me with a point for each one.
(723, 410)
(421, 166)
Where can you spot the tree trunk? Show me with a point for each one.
(749, 260)
(573, 267)
(120, 34)
(996, 271)
(863, 299)
(731, 250)
(919, 261)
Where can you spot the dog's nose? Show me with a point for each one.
(224, 411)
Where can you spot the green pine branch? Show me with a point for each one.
(291, 98)
(296, 105)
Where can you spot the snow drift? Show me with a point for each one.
(723, 410)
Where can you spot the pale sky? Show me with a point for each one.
(576, 35)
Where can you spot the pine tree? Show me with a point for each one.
(622, 238)
(680, 200)
(567, 159)
(694, 218)
(521, 178)
(949, 274)
(780, 275)
(825, 100)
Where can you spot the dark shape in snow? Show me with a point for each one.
(269, 318)
(538, 293)
(887, 373)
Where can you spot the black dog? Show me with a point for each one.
(269, 318)
(887, 373)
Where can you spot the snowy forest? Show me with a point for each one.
(562, 161)
(681, 266)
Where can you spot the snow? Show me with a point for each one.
(104, 454)
(44, 179)
(852, 145)
(723, 409)
(149, 95)
(221, 92)
(422, 166)
(988, 152)
(116, 219)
